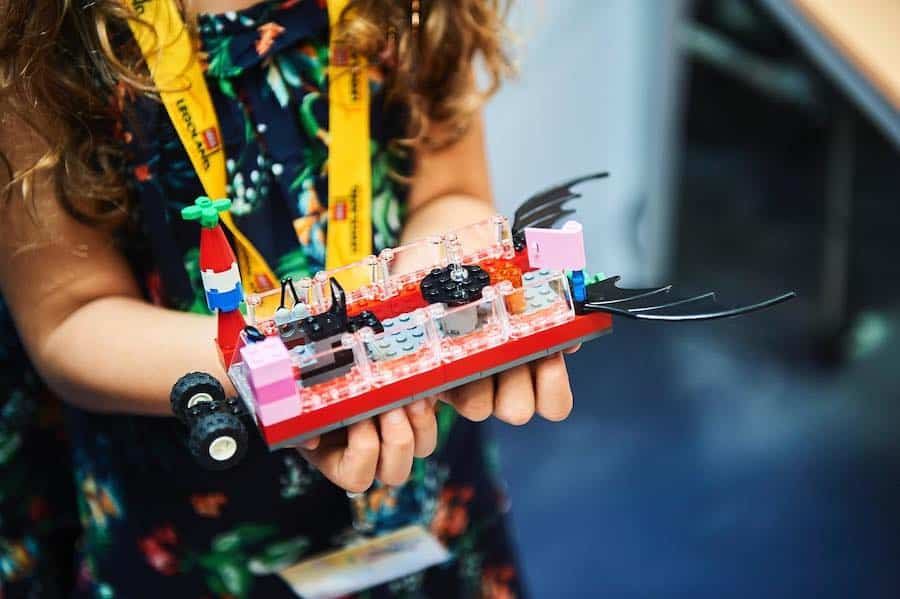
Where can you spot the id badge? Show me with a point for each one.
(365, 564)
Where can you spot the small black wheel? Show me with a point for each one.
(218, 440)
(192, 389)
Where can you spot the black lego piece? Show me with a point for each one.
(254, 335)
(547, 207)
(656, 303)
(330, 323)
(365, 319)
(439, 287)
(518, 239)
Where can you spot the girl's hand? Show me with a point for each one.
(379, 448)
(515, 395)
(383, 448)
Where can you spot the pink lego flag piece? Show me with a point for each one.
(267, 362)
(556, 249)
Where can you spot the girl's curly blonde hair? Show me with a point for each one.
(61, 71)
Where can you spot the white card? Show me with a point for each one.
(365, 564)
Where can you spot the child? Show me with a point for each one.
(101, 283)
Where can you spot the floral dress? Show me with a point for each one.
(154, 524)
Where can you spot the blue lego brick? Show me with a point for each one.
(399, 340)
(540, 296)
(225, 301)
(306, 354)
(579, 293)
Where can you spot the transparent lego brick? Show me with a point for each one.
(490, 238)
(358, 278)
(472, 328)
(543, 301)
(261, 306)
(410, 262)
(329, 372)
(277, 308)
(408, 346)
(239, 376)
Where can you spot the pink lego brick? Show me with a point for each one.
(274, 391)
(267, 362)
(556, 249)
(278, 411)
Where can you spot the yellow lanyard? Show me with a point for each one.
(349, 162)
(172, 61)
(178, 76)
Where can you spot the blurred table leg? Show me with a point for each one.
(835, 316)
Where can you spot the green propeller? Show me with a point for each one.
(206, 211)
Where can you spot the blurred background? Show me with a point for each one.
(754, 147)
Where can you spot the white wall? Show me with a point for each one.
(597, 90)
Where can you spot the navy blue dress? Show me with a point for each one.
(153, 524)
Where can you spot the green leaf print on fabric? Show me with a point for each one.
(288, 71)
(308, 119)
(219, 63)
(293, 264)
(386, 207)
(192, 266)
(278, 556)
(235, 558)
(277, 86)
(16, 410)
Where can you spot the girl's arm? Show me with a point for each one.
(100, 346)
(451, 188)
(79, 311)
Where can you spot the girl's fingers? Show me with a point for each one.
(412, 431)
(397, 447)
(514, 402)
(424, 426)
(474, 400)
(572, 350)
(551, 383)
(351, 465)
(311, 443)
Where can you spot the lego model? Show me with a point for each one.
(323, 352)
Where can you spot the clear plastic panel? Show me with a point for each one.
(543, 301)
(409, 263)
(472, 328)
(489, 238)
(358, 279)
(383, 276)
(409, 345)
(237, 372)
(329, 374)
(262, 306)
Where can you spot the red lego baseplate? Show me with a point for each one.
(420, 348)
(445, 376)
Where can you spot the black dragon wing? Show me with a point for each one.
(546, 207)
(658, 303)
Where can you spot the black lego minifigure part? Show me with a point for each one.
(439, 287)
(330, 323)
(365, 319)
(254, 335)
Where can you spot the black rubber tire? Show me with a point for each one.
(206, 429)
(190, 385)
